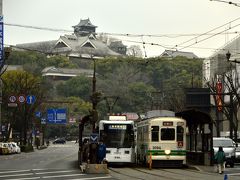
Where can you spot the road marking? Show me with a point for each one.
(234, 174)
(93, 178)
(53, 172)
(46, 177)
(27, 178)
(13, 171)
(10, 175)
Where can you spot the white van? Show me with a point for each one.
(228, 147)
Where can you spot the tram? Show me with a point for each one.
(161, 140)
(118, 135)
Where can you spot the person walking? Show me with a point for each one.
(101, 154)
(220, 160)
(85, 150)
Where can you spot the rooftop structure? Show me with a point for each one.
(173, 54)
(82, 43)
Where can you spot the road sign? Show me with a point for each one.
(31, 99)
(12, 104)
(43, 121)
(56, 116)
(12, 99)
(94, 138)
(21, 99)
(38, 114)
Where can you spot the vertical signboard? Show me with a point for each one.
(1, 41)
(219, 95)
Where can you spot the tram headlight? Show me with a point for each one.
(167, 151)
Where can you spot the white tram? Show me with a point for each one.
(118, 135)
(161, 140)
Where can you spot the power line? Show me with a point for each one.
(228, 2)
(118, 34)
(208, 37)
(37, 27)
(149, 35)
(206, 33)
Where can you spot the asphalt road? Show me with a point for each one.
(60, 162)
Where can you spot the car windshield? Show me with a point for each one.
(223, 143)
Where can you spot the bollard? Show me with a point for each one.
(225, 177)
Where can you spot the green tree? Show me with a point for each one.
(35, 62)
(16, 83)
(79, 86)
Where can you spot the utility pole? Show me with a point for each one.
(94, 101)
(1, 83)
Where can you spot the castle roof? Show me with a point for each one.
(84, 22)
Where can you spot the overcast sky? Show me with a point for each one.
(135, 17)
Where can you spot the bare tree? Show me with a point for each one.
(135, 51)
(231, 102)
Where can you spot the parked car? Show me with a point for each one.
(228, 147)
(15, 147)
(4, 148)
(59, 141)
(11, 148)
(238, 153)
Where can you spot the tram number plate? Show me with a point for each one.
(156, 147)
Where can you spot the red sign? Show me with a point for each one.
(180, 144)
(219, 95)
(21, 98)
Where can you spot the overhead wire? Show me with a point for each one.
(37, 27)
(194, 38)
(228, 2)
(151, 35)
(208, 37)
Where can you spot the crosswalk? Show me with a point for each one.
(52, 174)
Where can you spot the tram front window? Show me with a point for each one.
(118, 135)
(167, 134)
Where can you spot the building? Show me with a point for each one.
(65, 73)
(173, 54)
(83, 44)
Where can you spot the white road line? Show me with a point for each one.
(53, 172)
(46, 177)
(13, 171)
(11, 175)
(26, 178)
(93, 178)
(234, 174)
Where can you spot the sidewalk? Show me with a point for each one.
(202, 168)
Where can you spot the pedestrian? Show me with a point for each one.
(93, 148)
(47, 142)
(220, 160)
(101, 154)
(85, 150)
(37, 142)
